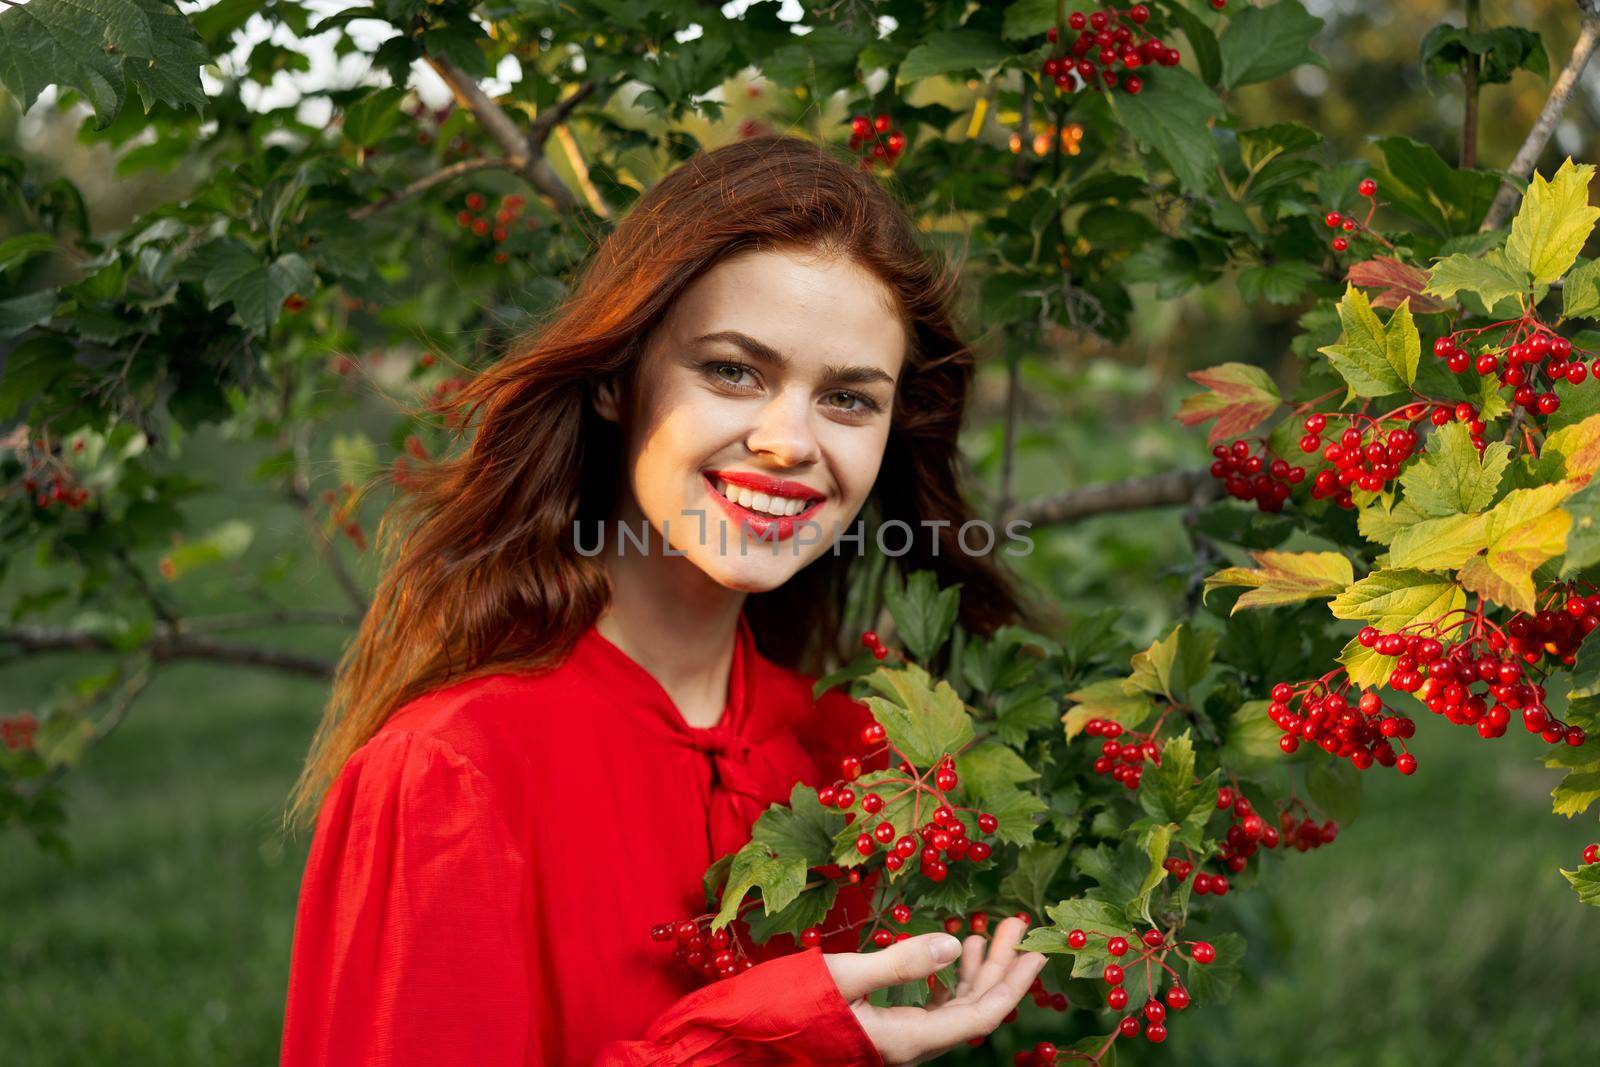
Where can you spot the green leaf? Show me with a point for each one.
(1214, 982)
(924, 722)
(923, 613)
(1394, 599)
(953, 52)
(1553, 223)
(1251, 736)
(785, 843)
(1586, 880)
(1583, 540)
(373, 117)
(991, 770)
(1276, 283)
(22, 313)
(1170, 792)
(1374, 360)
(1423, 186)
(1238, 395)
(1202, 42)
(32, 367)
(1440, 544)
(1114, 698)
(1493, 277)
(1172, 117)
(231, 273)
(1095, 917)
(1264, 42)
(96, 47)
(1286, 578)
(1030, 880)
(1451, 478)
(1580, 293)
(24, 246)
(1382, 522)
(226, 541)
(1500, 51)
(1170, 666)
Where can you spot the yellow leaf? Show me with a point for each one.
(1286, 578)
(1392, 599)
(1109, 699)
(1512, 561)
(1365, 666)
(1553, 223)
(1572, 452)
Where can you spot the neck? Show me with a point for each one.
(676, 623)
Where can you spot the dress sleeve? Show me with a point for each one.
(409, 943)
(785, 1011)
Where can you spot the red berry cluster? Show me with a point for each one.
(872, 643)
(1122, 759)
(1150, 1018)
(1348, 224)
(714, 953)
(876, 140)
(1365, 456)
(504, 220)
(1043, 998)
(46, 477)
(1107, 39)
(1325, 716)
(1525, 356)
(17, 730)
(1248, 474)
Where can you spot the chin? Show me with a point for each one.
(749, 574)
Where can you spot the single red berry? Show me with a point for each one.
(1155, 1033)
(1129, 1026)
(1117, 998)
(1203, 952)
(1333, 219)
(1153, 938)
(1368, 187)
(1591, 855)
(811, 937)
(1112, 974)
(987, 823)
(1406, 764)
(1177, 998)
(1077, 939)
(1117, 946)
(1339, 244)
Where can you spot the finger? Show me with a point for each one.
(971, 960)
(1002, 950)
(963, 1020)
(859, 973)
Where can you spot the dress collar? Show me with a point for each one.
(625, 683)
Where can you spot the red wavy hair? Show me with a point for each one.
(482, 573)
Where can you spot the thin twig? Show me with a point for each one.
(1560, 94)
(1132, 494)
(326, 547)
(166, 643)
(255, 620)
(1470, 87)
(423, 184)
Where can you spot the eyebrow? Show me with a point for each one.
(856, 375)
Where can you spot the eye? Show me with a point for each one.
(730, 374)
(853, 403)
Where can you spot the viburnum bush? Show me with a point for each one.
(1398, 522)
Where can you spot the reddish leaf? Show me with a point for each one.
(1399, 282)
(1239, 398)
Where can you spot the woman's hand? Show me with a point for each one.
(990, 985)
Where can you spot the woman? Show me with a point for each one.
(543, 734)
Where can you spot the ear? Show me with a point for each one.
(607, 400)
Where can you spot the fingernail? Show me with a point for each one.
(944, 948)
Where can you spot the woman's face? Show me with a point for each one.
(761, 413)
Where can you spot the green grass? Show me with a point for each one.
(165, 940)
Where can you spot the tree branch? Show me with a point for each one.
(1470, 87)
(423, 184)
(1132, 494)
(255, 620)
(326, 547)
(1560, 93)
(166, 644)
(523, 153)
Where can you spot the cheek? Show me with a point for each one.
(856, 457)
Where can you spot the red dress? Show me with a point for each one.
(486, 869)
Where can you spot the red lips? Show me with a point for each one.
(761, 526)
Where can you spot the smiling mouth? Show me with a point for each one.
(763, 505)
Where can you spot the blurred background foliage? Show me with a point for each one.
(158, 929)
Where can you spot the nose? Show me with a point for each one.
(783, 431)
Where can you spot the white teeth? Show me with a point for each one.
(780, 506)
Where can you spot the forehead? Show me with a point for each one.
(813, 308)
